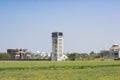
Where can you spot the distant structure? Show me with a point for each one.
(105, 54)
(115, 51)
(42, 55)
(20, 53)
(57, 46)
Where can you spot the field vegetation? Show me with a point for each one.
(66, 70)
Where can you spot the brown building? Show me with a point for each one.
(18, 53)
(105, 53)
(115, 51)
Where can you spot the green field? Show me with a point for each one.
(66, 70)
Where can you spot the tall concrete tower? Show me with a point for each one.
(57, 46)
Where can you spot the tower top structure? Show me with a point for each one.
(57, 34)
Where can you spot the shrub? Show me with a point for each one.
(4, 56)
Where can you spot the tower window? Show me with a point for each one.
(54, 34)
(60, 34)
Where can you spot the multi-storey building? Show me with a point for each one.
(16, 53)
(57, 46)
(115, 51)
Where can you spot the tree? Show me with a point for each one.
(4, 55)
(92, 53)
(71, 56)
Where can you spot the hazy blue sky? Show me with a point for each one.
(88, 25)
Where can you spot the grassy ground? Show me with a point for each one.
(69, 70)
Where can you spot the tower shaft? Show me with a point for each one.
(57, 46)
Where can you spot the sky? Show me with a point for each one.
(87, 25)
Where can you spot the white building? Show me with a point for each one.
(57, 46)
(42, 55)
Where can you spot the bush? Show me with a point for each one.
(72, 56)
(4, 56)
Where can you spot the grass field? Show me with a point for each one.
(68, 70)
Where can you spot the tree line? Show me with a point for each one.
(4, 55)
(83, 56)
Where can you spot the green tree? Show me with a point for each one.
(71, 56)
(92, 53)
(4, 55)
(84, 55)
